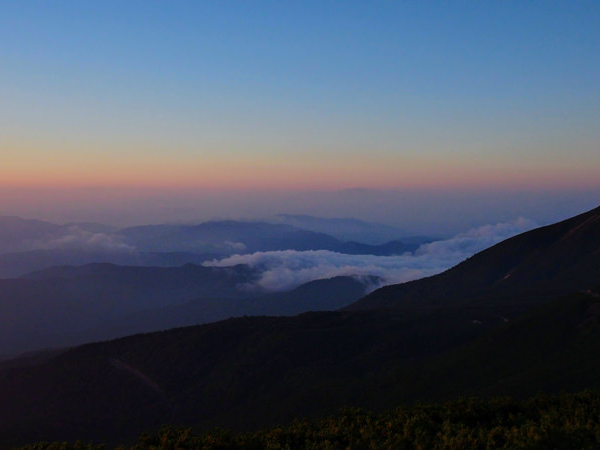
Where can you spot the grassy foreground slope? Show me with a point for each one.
(568, 421)
(252, 373)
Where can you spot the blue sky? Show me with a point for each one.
(299, 96)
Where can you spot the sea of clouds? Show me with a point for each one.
(283, 270)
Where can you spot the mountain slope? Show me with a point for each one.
(240, 373)
(251, 373)
(61, 306)
(65, 306)
(521, 271)
(553, 347)
(319, 295)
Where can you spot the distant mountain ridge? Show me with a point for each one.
(218, 237)
(229, 237)
(348, 229)
(30, 245)
(19, 264)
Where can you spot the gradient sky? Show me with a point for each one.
(298, 96)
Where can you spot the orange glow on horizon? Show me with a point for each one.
(275, 178)
(302, 171)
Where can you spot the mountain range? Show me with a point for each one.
(31, 245)
(347, 229)
(517, 318)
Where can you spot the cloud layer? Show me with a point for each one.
(80, 239)
(282, 270)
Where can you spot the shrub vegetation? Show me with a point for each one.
(566, 421)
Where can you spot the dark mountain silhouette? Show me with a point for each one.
(515, 274)
(549, 349)
(254, 372)
(240, 373)
(319, 295)
(64, 306)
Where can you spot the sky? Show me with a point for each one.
(401, 112)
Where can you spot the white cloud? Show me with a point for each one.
(235, 245)
(475, 240)
(86, 240)
(287, 269)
